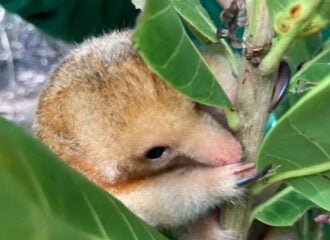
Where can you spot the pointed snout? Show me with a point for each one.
(213, 145)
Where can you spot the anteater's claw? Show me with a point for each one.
(255, 177)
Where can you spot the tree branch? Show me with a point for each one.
(254, 96)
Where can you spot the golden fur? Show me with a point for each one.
(103, 109)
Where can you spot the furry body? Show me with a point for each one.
(103, 111)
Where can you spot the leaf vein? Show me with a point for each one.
(290, 204)
(284, 159)
(157, 14)
(308, 138)
(275, 214)
(129, 226)
(37, 186)
(95, 215)
(211, 91)
(193, 77)
(174, 53)
(313, 194)
(206, 19)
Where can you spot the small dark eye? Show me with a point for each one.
(156, 152)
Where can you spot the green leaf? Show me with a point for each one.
(312, 72)
(299, 52)
(290, 19)
(302, 50)
(283, 209)
(201, 24)
(42, 198)
(164, 45)
(321, 19)
(300, 145)
(285, 14)
(196, 16)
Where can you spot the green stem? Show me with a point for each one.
(315, 169)
(258, 30)
(232, 118)
(271, 60)
(253, 100)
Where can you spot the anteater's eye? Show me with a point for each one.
(156, 152)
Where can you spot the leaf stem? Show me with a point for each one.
(271, 60)
(232, 118)
(315, 169)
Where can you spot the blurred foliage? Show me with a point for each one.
(43, 198)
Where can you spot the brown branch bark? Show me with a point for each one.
(253, 100)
